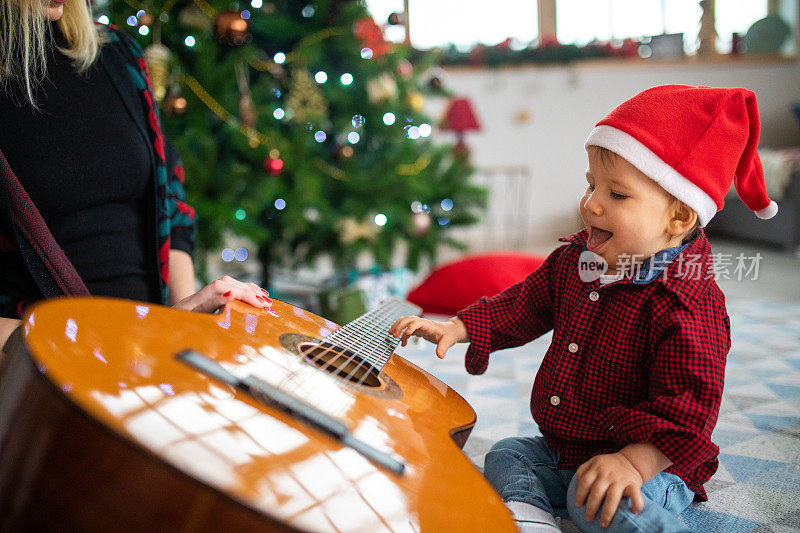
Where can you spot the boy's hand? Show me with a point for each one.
(442, 334)
(604, 480)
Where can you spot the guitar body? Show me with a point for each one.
(103, 428)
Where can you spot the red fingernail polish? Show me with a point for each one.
(265, 291)
(227, 294)
(260, 297)
(268, 300)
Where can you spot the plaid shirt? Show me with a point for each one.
(641, 359)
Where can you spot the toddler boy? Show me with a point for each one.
(629, 390)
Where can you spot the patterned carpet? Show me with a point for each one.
(757, 487)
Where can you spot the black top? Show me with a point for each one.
(87, 171)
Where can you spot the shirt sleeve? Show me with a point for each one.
(512, 317)
(183, 222)
(686, 380)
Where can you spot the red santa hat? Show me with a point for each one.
(693, 142)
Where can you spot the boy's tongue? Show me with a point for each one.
(597, 237)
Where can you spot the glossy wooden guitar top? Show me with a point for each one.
(116, 361)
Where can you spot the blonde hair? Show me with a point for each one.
(24, 40)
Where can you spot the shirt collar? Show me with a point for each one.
(669, 266)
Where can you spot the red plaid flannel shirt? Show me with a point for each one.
(628, 362)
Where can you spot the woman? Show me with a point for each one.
(80, 131)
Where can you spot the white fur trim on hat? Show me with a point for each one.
(640, 156)
(768, 212)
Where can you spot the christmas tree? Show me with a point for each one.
(301, 129)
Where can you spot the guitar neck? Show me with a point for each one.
(368, 335)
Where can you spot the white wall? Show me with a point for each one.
(565, 102)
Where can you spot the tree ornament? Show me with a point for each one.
(405, 68)
(381, 88)
(305, 99)
(416, 101)
(421, 223)
(247, 112)
(192, 16)
(174, 104)
(157, 57)
(371, 36)
(343, 152)
(146, 19)
(350, 230)
(231, 28)
(273, 165)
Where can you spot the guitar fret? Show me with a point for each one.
(367, 334)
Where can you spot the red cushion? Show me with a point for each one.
(455, 285)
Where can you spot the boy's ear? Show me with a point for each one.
(683, 219)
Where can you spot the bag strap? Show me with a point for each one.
(30, 222)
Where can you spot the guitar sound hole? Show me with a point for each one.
(341, 362)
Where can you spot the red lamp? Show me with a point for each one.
(460, 118)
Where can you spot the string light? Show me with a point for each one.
(132, 21)
(353, 137)
(227, 255)
(346, 78)
(102, 19)
(389, 118)
(279, 113)
(241, 214)
(321, 77)
(366, 53)
(256, 4)
(380, 219)
(240, 254)
(308, 11)
(447, 204)
(358, 121)
(189, 41)
(320, 136)
(412, 132)
(279, 58)
(144, 30)
(280, 204)
(425, 130)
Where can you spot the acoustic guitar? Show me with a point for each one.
(124, 416)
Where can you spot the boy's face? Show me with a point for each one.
(624, 211)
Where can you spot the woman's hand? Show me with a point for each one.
(442, 334)
(604, 480)
(218, 293)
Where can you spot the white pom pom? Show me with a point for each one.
(768, 212)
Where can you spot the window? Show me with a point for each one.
(439, 23)
(581, 21)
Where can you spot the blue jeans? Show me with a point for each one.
(526, 470)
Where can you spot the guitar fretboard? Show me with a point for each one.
(368, 335)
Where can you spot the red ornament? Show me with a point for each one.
(371, 36)
(273, 165)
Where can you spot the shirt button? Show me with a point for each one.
(555, 400)
(593, 296)
(572, 347)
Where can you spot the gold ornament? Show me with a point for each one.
(157, 57)
(350, 230)
(175, 103)
(416, 101)
(193, 17)
(231, 28)
(381, 88)
(305, 99)
(247, 112)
